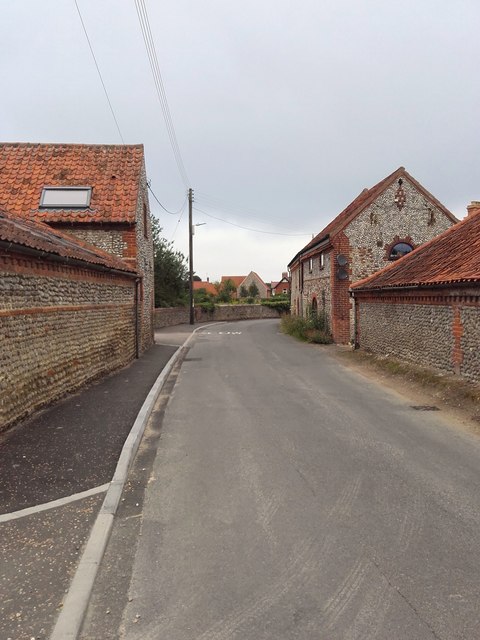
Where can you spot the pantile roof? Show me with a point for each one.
(208, 286)
(113, 172)
(450, 258)
(237, 280)
(36, 235)
(361, 202)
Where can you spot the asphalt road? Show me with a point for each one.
(292, 498)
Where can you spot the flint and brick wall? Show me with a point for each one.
(366, 242)
(431, 329)
(170, 316)
(60, 327)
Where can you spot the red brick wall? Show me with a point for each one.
(60, 327)
(341, 303)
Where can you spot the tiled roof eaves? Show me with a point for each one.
(323, 243)
(16, 233)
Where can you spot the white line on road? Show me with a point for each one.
(29, 511)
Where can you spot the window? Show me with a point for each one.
(398, 250)
(322, 260)
(66, 197)
(310, 265)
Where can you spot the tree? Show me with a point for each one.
(170, 271)
(243, 291)
(253, 290)
(227, 289)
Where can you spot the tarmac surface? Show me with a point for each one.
(65, 453)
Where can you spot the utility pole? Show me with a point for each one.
(190, 253)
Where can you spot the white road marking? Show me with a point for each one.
(29, 511)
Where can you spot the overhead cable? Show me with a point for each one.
(157, 78)
(99, 72)
(172, 213)
(274, 233)
(236, 210)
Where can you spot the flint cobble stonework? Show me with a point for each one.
(470, 343)
(418, 333)
(170, 316)
(362, 238)
(60, 327)
(440, 330)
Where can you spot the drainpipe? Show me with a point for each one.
(137, 323)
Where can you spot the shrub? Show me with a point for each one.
(314, 328)
(281, 305)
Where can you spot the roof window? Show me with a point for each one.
(66, 197)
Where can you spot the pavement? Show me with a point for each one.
(56, 475)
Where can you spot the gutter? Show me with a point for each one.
(75, 262)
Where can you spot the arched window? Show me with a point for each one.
(314, 306)
(398, 250)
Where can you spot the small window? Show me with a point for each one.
(322, 261)
(310, 265)
(66, 197)
(398, 250)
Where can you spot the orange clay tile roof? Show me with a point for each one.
(113, 172)
(208, 286)
(237, 280)
(39, 236)
(361, 202)
(450, 258)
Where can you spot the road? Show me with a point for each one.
(292, 498)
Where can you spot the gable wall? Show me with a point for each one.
(262, 287)
(365, 242)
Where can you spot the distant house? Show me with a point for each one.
(282, 287)
(244, 282)
(208, 286)
(67, 315)
(425, 308)
(97, 193)
(381, 224)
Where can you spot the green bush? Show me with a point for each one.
(281, 305)
(313, 329)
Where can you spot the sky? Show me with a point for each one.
(283, 110)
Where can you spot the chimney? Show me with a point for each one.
(285, 274)
(473, 207)
(208, 279)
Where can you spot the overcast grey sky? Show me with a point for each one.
(283, 110)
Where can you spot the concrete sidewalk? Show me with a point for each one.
(67, 449)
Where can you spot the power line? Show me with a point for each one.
(157, 78)
(274, 233)
(236, 210)
(172, 213)
(99, 72)
(178, 222)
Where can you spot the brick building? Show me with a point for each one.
(425, 308)
(67, 315)
(282, 287)
(97, 193)
(384, 222)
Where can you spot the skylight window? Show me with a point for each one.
(66, 197)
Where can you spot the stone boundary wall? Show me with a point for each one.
(427, 329)
(170, 316)
(61, 326)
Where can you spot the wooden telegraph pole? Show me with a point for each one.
(190, 253)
